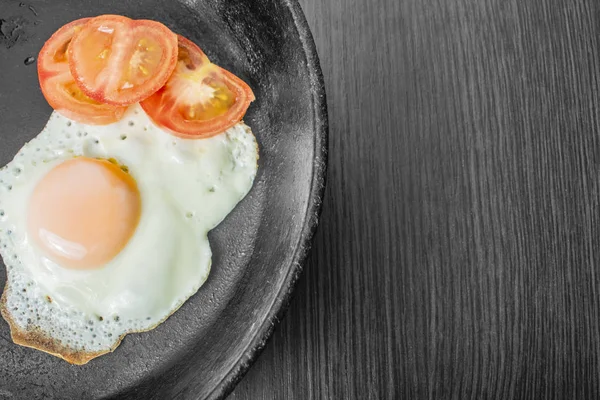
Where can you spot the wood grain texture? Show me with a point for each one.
(459, 243)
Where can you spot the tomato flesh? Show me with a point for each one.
(117, 60)
(200, 99)
(59, 87)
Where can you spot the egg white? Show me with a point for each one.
(186, 186)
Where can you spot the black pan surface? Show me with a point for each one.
(204, 348)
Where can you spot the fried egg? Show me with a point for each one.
(103, 229)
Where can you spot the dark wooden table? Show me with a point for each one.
(459, 243)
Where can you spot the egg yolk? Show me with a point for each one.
(83, 212)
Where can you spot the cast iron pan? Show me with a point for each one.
(204, 348)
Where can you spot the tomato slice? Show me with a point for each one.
(59, 87)
(200, 99)
(117, 60)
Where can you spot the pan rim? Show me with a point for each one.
(317, 190)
